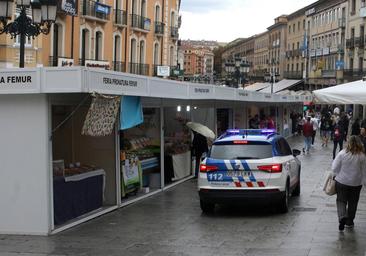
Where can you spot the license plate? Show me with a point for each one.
(243, 174)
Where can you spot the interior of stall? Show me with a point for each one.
(177, 142)
(140, 156)
(224, 120)
(84, 167)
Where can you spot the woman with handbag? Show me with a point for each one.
(349, 169)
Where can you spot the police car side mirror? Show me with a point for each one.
(296, 152)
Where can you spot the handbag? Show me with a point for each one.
(329, 185)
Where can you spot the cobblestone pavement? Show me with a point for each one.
(171, 223)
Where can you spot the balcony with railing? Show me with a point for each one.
(297, 53)
(329, 73)
(359, 42)
(350, 43)
(353, 74)
(159, 28)
(140, 22)
(174, 32)
(293, 74)
(120, 17)
(119, 66)
(342, 22)
(95, 10)
(138, 68)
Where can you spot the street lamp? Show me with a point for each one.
(43, 15)
(237, 68)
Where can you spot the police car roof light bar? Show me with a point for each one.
(246, 132)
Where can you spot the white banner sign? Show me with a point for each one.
(109, 83)
(65, 62)
(163, 71)
(19, 81)
(97, 64)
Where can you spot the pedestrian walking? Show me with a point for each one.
(338, 137)
(199, 146)
(363, 137)
(308, 133)
(349, 168)
(325, 129)
(314, 121)
(355, 128)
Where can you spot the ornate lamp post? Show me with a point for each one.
(237, 68)
(43, 15)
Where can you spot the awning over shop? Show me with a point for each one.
(348, 93)
(281, 85)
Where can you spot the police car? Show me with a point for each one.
(245, 165)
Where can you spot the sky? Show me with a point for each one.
(226, 20)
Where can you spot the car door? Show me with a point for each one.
(290, 160)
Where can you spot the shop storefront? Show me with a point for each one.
(62, 170)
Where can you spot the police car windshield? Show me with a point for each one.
(239, 151)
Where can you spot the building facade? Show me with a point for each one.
(354, 65)
(130, 36)
(260, 63)
(277, 34)
(326, 29)
(295, 61)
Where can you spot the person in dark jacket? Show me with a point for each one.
(199, 146)
(338, 137)
(308, 133)
(356, 127)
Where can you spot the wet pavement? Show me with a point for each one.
(171, 223)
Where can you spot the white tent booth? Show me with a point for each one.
(348, 93)
(42, 111)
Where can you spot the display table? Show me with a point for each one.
(78, 194)
(182, 165)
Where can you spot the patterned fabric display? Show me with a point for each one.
(101, 116)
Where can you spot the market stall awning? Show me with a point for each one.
(256, 86)
(281, 85)
(348, 93)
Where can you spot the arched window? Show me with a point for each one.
(56, 43)
(133, 58)
(85, 43)
(117, 65)
(143, 8)
(171, 56)
(142, 52)
(157, 13)
(172, 19)
(156, 54)
(98, 45)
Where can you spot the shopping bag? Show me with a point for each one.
(329, 184)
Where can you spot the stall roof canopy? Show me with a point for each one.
(281, 85)
(256, 86)
(348, 93)
(87, 80)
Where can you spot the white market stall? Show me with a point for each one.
(34, 101)
(348, 93)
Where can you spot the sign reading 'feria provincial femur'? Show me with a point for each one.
(14, 81)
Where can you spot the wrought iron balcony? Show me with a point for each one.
(138, 68)
(159, 28)
(96, 10)
(329, 73)
(119, 66)
(353, 74)
(120, 17)
(350, 43)
(174, 32)
(140, 22)
(342, 22)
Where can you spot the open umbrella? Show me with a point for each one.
(201, 129)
